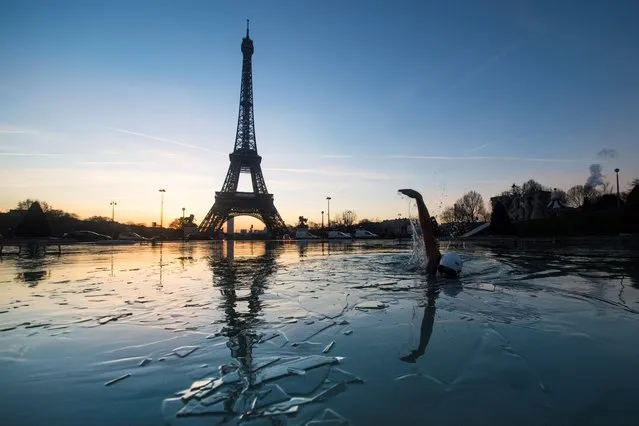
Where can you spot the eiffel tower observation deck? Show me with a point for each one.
(229, 202)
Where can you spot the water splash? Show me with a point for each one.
(418, 258)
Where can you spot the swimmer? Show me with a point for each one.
(447, 266)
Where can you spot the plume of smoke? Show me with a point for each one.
(596, 178)
(607, 153)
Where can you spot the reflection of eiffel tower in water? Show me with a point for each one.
(242, 281)
(244, 159)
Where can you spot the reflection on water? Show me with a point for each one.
(242, 281)
(245, 324)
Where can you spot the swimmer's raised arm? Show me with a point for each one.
(432, 251)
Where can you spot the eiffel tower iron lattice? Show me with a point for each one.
(229, 202)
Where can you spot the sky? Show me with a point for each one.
(106, 101)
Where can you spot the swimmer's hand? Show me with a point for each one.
(411, 193)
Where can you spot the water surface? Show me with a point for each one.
(354, 331)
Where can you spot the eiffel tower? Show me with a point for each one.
(244, 159)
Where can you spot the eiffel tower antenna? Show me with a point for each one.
(244, 159)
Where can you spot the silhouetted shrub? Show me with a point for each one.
(500, 222)
(606, 202)
(34, 223)
(632, 202)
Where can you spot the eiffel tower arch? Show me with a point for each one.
(229, 202)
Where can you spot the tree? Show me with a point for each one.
(500, 222)
(26, 204)
(561, 195)
(633, 199)
(34, 223)
(470, 207)
(575, 196)
(448, 215)
(528, 189)
(349, 217)
(181, 222)
(99, 219)
(485, 216)
(176, 223)
(591, 193)
(606, 188)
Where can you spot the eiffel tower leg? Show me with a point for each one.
(214, 219)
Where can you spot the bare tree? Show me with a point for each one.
(485, 216)
(470, 207)
(99, 219)
(25, 204)
(530, 187)
(575, 196)
(348, 217)
(448, 215)
(561, 195)
(592, 194)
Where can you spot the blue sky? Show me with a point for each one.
(113, 100)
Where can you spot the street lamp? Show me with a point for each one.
(183, 231)
(322, 219)
(328, 218)
(618, 196)
(161, 191)
(113, 204)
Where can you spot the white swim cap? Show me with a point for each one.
(452, 261)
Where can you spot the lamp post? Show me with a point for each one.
(161, 191)
(322, 219)
(183, 232)
(113, 204)
(328, 218)
(618, 196)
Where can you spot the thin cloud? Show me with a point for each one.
(27, 154)
(485, 158)
(477, 148)
(16, 130)
(157, 138)
(362, 174)
(335, 156)
(109, 163)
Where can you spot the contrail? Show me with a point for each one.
(477, 148)
(363, 174)
(186, 145)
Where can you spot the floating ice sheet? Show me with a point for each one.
(328, 417)
(184, 351)
(370, 305)
(270, 394)
(117, 379)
